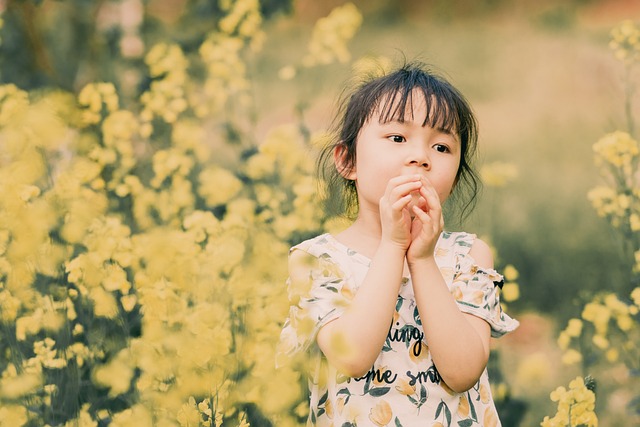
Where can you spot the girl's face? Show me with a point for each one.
(386, 150)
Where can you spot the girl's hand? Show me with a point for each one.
(427, 225)
(395, 217)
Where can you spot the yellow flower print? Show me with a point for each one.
(477, 297)
(328, 408)
(490, 417)
(381, 414)
(403, 387)
(457, 293)
(463, 406)
(485, 395)
(418, 352)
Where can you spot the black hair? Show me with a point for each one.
(390, 95)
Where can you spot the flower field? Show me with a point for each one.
(153, 180)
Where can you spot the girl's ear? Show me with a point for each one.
(342, 163)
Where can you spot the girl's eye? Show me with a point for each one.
(442, 148)
(397, 138)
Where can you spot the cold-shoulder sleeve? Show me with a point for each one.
(477, 291)
(317, 294)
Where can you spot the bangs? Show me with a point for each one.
(399, 96)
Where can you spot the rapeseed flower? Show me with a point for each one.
(576, 406)
(625, 41)
(331, 35)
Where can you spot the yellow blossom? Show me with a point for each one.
(571, 357)
(218, 186)
(331, 34)
(13, 415)
(116, 374)
(618, 149)
(574, 327)
(600, 342)
(510, 291)
(625, 41)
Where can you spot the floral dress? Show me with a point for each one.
(403, 387)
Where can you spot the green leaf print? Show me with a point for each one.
(344, 391)
(472, 407)
(423, 394)
(379, 391)
(447, 413)
(323, 399)
(398, 423)
(399, 303)
(465, 423)
(416, 316)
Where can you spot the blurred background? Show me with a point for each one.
(541, 75)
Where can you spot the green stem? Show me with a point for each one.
(628, 97)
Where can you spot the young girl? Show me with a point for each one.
(395, 313)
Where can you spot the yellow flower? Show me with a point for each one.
(189, 416)
(574, 328)
(597, 314)
(218, 186)
(564, 339)
(136, 416)
(104, 303)
(403, 387)
(510, 291)
(600, 342)
(116, 374)
(618, 149)
(510, 273)
(571, 357)
(625, 41)
(612, 355)
(635, 296)
(331, 34)
(13, 415)
(287, 73)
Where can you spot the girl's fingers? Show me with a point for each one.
(401, 203)
(432, 199)
(398, 188)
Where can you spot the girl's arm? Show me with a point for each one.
(458, 342)
(353, 341)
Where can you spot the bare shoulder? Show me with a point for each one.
(482, 253)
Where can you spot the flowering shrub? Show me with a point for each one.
(141, 270)
(576, 406)
(608, 330)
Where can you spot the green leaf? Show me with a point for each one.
(379, 391)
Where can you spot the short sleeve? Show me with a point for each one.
(317, 294)
(477, 292)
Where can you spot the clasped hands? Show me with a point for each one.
(411, 216)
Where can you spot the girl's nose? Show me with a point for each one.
(420, 158)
